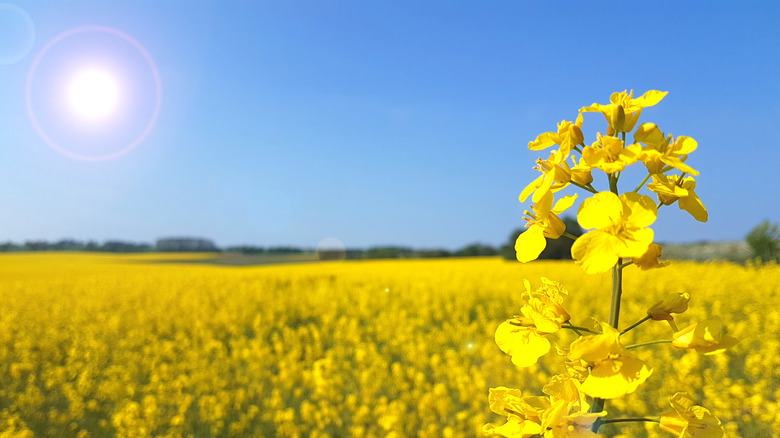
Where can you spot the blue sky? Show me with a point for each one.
(375, 122)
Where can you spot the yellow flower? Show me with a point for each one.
(565, 387)
(543, 222)
(544, 306)
(615, 371)
(522, 337)
(563, 415)
(673, 188)
(660, 150)
(620, 231)
(556, 175)
(581, 172)
(559, 422)
(673, 303)
(523, 413)
(623, 110)
(518, 338)
(609, 155)
(649, 259)
(689, 420)
(705, 337)
(569, 135)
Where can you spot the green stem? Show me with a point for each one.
(642, 184)
(576, 328)
(614, 318)
(645, 344)
(570, 236)
(590, 189)
(613, 183)
(635, 324)
(630, 419)
(617, 292)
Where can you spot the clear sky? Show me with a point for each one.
(372, 122)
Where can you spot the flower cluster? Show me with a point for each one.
(619, 235)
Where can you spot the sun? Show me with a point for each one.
(93, 93)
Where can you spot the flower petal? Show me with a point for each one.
(543, 141)
(522, 343)
(564, 203)
(530, 244)
(693, 205)
(641, 209)
(596, 251)
(650, 98)
(600, 211)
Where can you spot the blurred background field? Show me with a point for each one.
(112, 345)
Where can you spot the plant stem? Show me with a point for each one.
(575, 328)
(629, 419)
(614, 319)
(613, 183)
(570, 236)
(590, 189)
(617, 293)
(636, 324)
(645, 344)
(642, 184)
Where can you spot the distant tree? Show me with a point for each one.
(10, 246)
(476, 250)
(246, 249)
(389, 252)
(284, 250)
(92, 246)
(67, 245)
(185, 244)
(36, 245)
(432, 253)
(355, 254)
(764, 241)
(119, 246)
(557, 249)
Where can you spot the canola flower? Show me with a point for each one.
(98, 345)
(619, 236)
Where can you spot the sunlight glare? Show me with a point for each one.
(93, 93)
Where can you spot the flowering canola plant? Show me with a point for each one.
(599, 365)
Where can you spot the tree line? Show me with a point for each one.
(764, 241)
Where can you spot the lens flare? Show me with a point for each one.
(104, 77)
(17, 33)
(93, 93)
(331, 248)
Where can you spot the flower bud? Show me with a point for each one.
(673, 303)
(610, 130)
(576, 135)
(649, 259)
(705, 337)
(618, 118)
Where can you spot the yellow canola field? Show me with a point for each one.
(106, 345)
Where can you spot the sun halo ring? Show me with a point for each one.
(147, 57)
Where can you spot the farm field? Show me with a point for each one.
(96, 345)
